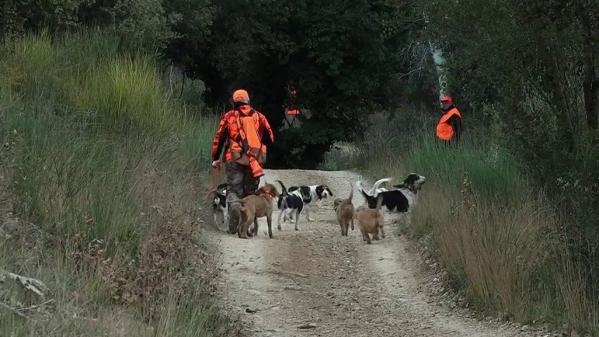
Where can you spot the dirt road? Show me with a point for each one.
(315, 282)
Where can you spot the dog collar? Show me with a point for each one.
(268, 195)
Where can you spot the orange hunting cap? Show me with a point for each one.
(241, 96)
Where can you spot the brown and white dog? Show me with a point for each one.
(344, 209)
(257, 206)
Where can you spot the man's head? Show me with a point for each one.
(241, 97)
(446, 102)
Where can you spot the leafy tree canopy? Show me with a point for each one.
(341, 56)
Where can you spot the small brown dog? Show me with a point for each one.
(345, 212)
(371, 221)
(256, 206)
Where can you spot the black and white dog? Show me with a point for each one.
(219, 208)
(402, 199)
(298, 198)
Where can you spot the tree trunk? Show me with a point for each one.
(590, 78)
(591, 89)
(440, 61)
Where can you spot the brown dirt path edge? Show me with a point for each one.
(314, 282)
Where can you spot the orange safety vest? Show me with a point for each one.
(444, 129)
(293, 111)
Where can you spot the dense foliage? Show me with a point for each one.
(530, 71)
(340, 56)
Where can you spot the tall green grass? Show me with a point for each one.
(97, 159)
(87, 76)
(495, 233)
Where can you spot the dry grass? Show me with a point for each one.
(503, 253)
(499, 239)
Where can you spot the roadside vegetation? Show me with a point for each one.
(499, 237)
(101, 184)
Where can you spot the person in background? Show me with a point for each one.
(449, 127)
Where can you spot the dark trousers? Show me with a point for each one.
(240, 183)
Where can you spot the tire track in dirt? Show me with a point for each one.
(333, 285)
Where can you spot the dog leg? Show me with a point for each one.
(269, 223)
(255, 231)
(382, 230)
(409, 218)
(226, 218)
(308, 214)
(242, 230)
(365, 236)
(297, 220)
(281, 215)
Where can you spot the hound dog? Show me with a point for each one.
(298, 198)
(401, 199)
(257, 206)
(220, 210)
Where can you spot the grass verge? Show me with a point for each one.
(497, 236)
(99, 194)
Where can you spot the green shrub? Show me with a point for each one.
(86, 75)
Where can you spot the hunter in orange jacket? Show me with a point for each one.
(449, 126)
(245, 134)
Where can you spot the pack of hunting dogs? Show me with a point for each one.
(295, 200)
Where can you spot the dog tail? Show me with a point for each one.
(284, 192)
(351, 192)
(282, 202)
(377, 184)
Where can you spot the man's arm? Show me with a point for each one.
(220, 138)
(456, 123)
(268, 137)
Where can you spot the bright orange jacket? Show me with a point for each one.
(444, 130)
(230, 133)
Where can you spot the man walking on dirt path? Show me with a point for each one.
(449, 127)
(245, 133)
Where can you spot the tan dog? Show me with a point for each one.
(371, 221)
(345, 212)
(257, 206)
